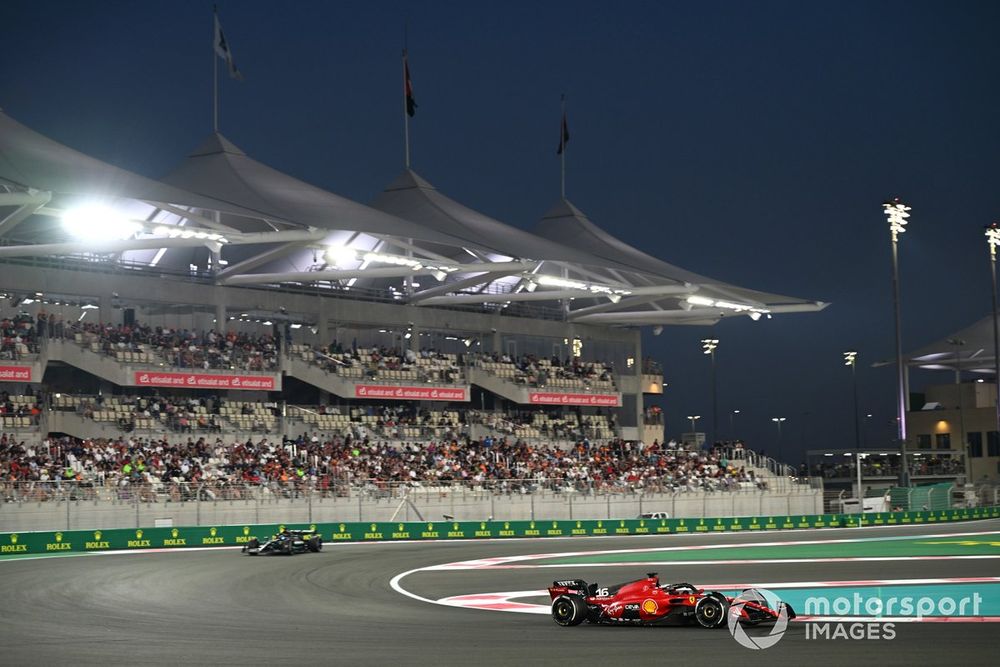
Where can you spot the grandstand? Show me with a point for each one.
(232, 304)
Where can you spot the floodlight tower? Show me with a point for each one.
(708, 346)
(993, 241)
(896, 213)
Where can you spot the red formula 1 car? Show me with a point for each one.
(647, 602)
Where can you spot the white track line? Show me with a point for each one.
(499, 561)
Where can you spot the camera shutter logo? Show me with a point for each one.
(739, 633)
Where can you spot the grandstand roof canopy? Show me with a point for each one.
(273, 229)
(969, 349)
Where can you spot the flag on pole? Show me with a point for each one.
(411, 103)
(564, 135)
(222, 50)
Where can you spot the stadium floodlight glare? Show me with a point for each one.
(339, 255)
(849, 357)
(696, 300)
(993, 239)
(98, 222)
(398, 260)
(178, 232)
(709, 344)
(555, 281)
(897, 213)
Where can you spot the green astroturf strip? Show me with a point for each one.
(918, 546)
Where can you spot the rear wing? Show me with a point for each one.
(578, 586)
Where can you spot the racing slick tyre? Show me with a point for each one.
(569, 610)
(315, 544)
(253, 543)
(710, 612)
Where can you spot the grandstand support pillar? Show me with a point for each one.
(106, 306)
(639, 407)
(220, 317)
(415, 339)
(322, 324)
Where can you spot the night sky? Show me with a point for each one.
(752, 142)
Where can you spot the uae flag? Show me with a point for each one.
(563, 136)
(222, 50)
(411, 104)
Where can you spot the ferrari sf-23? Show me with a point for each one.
(285, 543)
(647, 602)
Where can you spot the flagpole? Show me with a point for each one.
(406, 117)
(562, 153)
(215, 79)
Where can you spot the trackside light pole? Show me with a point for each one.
(851, 359)
(896, 213)
(993, 240)
(708, 346)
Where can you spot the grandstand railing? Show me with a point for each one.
(129, 490)
(135, 502)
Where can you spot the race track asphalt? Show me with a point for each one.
(337, 607)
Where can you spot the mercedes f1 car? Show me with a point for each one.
(285, 543)
(647, 602)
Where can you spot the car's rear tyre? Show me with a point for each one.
(315, 544)
(569, 610)
(253, 543)
(710, 612)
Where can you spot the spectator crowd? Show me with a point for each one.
(184, 348)
(151, 466)
(18, 336)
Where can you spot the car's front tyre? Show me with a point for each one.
(568, 610)
(710, 612)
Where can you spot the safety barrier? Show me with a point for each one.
(49, 542)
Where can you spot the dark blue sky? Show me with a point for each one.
(753, 142)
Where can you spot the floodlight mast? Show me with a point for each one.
(896, 213)
(708, 346)
(993, 241)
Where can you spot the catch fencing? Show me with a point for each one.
(74, 505)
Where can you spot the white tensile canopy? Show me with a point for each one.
(219, 207)
(969, 349)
